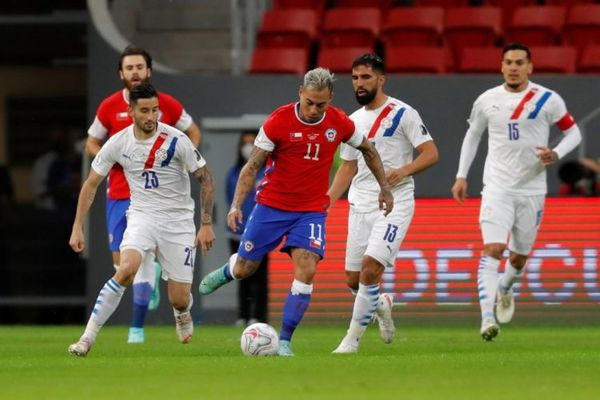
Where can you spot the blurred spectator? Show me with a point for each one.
(253, 291)
(579, 177)
(56, 175)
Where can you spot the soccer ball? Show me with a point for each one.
(260, 339)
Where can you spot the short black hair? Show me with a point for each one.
(142, 91)
(517, 46)
(370, 60)
(135, 51)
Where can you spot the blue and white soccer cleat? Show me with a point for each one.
(285, 348)
(213, 281)
(136, 335)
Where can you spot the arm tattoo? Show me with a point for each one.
(247, 177)
(207, 194)
(373, 161)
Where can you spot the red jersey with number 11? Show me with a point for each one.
(301, 156)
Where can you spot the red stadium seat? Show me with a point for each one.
(317, 6)
(279, 61)
(287, 28)
(340, 59)
(554, 59)
(413, 26)
(480, 60)
(351, 27)
(567, 3)
(583, 25)
(589, 61)
(508, 7)
(381, 4)
(476, 26)
(416, 59)
(537, 25)
(441, 3)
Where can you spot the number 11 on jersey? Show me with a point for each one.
(309, 152)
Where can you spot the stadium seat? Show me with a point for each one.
(380, 4)
(589, 62)
(279, 61)
(441, 3)
(583, 25)
(317, 6)
(414, 26)
(554, 59)
(351, 27)
(416, 59)
(508, 8)
(537, 25)
(287, 28)
(567, 3)
(472, 26)
(480, 60)
(339, 59)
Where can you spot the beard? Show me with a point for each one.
(513, 85)
(130, 84)
(366, 98)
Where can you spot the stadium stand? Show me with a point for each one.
(508, 8)
(413, 26)
(287, 28)
(351, 27)
(554, 59)
(583, 25)
(589, 62)
(339, 59)
(416, 59)
(317, 6)
(441, 3)
(537, 25)
(279, 61)
(472, 26)
(380, 4)
(486, 59)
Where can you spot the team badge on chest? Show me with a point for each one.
(330, 134)
(161, 154)
(386, 123)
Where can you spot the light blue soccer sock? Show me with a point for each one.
(295, 306)
(365, 305)
(509, 277)
(487, 282)
(141, 298)
(106, 303)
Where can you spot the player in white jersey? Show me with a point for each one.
(395, 129)
(156, 159)
(518, 115)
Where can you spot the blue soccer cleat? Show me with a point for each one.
(213, 281)
(285, 348)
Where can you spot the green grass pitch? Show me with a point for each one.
(424, 362)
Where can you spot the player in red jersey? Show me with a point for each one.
(135, 67)
(300, 140)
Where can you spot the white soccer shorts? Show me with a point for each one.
(504, 216)
(376, 235)
(172, 241)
